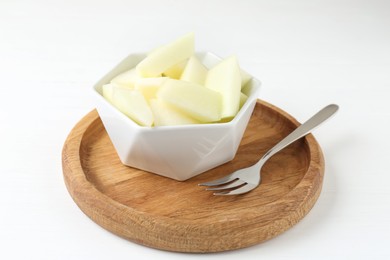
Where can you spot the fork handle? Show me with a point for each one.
(302, 130)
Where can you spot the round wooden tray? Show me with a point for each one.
(181, 216)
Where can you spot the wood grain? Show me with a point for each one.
(180, 216)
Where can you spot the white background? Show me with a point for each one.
(307, 54)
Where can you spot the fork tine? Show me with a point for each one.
(247, 187)
(220, 181)
(230, 185)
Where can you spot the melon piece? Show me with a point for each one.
(176, 70)
(107, 91)
(245, 78)
(127, 78)
(225, 78)
(166, 56)
(195, 71)
(133, 104)
(165, 114)
(193, 99)
(243, 99)
(149, 86)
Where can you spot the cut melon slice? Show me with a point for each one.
(195, 71)
(127, 78)
(167, 56)
(149, 86)
(176, 70)
(225, 78)
(243, 99)
(133, 104)
(195, 100)
(245, 78)
(107, 91)
(165, 114)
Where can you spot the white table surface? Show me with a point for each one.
(306, 53)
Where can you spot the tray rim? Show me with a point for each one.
(86, 196)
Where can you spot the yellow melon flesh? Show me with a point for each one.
(165, 114)
(167, 56)
(225, 78)
(133, 104)
(176, 70)
(127, 78)
(107, 90)
(149, 86)
(194, 100)
(195, 71)
(245, 78)
(243, 99)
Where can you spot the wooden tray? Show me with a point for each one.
(180, 216)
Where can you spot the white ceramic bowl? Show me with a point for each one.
(178, 152)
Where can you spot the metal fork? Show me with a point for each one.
(246, 179)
